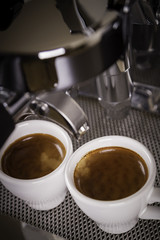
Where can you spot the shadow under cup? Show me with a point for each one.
(48, 191)
(114, 216)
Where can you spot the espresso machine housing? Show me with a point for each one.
(48, 48)
(143, 55)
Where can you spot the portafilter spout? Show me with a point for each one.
(57, 107)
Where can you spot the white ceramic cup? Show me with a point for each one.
(117, 216)
(46, 192)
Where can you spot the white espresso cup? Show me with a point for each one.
(121, 215)
(45, 192)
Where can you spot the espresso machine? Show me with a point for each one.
(84, 64)
(52, 51)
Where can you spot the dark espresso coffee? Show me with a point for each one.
(33, 156)
(110, 173)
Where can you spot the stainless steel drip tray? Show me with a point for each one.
(67, 220)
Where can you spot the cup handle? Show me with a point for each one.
(152, 212)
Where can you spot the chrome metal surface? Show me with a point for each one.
(146, 97)
(20, 103)
(58, 107)
(143, 55)
(6, 95)
(114, 88)
(68, 109)
(60, 43)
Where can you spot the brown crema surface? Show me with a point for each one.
(33, 156)
(110, 173)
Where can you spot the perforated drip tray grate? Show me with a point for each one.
(67, 220)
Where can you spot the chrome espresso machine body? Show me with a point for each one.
(52, 50)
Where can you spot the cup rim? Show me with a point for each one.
(77, 194)
(69, 150)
